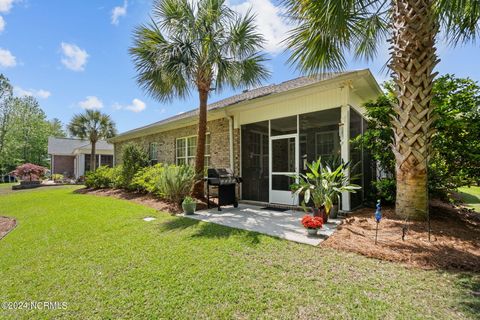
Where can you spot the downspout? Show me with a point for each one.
(230, 140)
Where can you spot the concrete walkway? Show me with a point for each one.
(286, 225)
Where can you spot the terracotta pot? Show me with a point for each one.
(320, 212)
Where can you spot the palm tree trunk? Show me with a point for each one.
(413, 60)
(93, 156)
(198, 191)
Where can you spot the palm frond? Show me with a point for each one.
(328, 30)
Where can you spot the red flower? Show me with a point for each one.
(310, 222)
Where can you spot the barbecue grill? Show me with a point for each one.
(226, 183)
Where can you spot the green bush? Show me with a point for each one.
(146, 179)
(175, 182)
(117, 177)
(57, 177)
(100, 178)
(385, 189)
(134, 158)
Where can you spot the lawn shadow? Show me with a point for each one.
(210, 230)
(469, 198)
(470, 301)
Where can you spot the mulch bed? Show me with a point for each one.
(140, 198)
(454, 240)
(6, 225)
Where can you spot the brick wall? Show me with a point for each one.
(63, 165)
(219, 143)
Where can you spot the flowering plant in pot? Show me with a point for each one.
(312, 224)
(189, 205)
(322, 185)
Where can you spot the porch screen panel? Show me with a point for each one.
(356, 156)
(369, 171)
(255, 169)
(319, 136)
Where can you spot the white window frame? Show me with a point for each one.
(153, 156)
(188, 157)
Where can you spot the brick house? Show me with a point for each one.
(269, 132)
(71, 157)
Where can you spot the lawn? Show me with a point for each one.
(99, 256)
(471, 197)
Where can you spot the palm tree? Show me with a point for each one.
(204, 47)
(92, 126)
(328, 30)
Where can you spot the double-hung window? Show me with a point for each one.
(186, 149)
(153, 153)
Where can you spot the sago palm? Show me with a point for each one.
(328, 30)
(202, 47)
(93, 126)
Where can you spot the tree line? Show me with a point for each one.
(24, 130)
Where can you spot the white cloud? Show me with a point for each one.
(91, 103)
(2, 24)
(43, 94)
(74, 58)
(118, 12)
(7, 59)
(137, 105)
(269, 21)
(5, 5)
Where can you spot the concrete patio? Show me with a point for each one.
(286, 225)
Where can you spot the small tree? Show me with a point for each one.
(29, 172)
(133, 159)
(93, 126)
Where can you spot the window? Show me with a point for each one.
(106, 160)
(186, 149)
(153, 153)
(87, 162)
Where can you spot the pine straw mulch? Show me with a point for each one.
(454, 240)
(140, 198)
(6, 225)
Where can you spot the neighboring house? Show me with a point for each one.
(71, 157)
(264, 134)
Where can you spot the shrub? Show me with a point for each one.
(29, 172)
(385, 189)
(133, 159)
(57, 177)
(117, 177)
(103, 177)
(146, 179)
(175, 182)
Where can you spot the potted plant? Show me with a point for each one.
(322, 185)
(189, 205)
(312, 224)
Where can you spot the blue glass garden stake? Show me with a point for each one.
(378, 217)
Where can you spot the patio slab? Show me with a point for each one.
(286, 225)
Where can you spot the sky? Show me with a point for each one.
(73, 55)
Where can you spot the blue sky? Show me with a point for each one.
(73, 55)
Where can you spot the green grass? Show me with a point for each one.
(99, 256)
(471, 197)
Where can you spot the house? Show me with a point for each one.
(71, 157)
(266, 133)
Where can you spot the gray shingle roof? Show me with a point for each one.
(69, 145)
(245, 96)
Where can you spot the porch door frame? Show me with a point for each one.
(278, 196)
